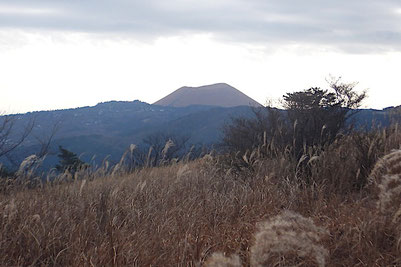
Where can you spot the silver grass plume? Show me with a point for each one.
(28, 166)
(288, 237)
(388, 165)
(219, 260)
(386, 176)
(169, 144)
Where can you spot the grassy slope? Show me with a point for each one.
(179, 215)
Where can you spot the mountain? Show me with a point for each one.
(219, 94)
(107, 129)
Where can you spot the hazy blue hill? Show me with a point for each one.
(205, 126)
(107, 129)
(368, 118)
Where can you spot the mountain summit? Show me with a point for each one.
(219, 94)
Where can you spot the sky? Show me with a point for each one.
(72, 53)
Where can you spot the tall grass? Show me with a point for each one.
(181, 214)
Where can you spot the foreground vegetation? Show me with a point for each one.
(317, 210)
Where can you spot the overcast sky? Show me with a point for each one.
(70, 53)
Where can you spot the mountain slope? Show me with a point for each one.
(107, 129)
(219, 94)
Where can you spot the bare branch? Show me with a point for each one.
(8, 139)
(45, 140)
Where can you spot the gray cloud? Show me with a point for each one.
(357, 26)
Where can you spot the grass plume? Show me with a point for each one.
(286, 237)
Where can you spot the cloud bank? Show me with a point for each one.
(357, 26)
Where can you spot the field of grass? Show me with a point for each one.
(321, 210)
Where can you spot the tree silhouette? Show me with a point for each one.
(69, 161)
(313, 116)
(319, 115)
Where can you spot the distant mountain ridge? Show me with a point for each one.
(107, 129)
(219, 94)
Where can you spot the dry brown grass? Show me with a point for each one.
(180, 215)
